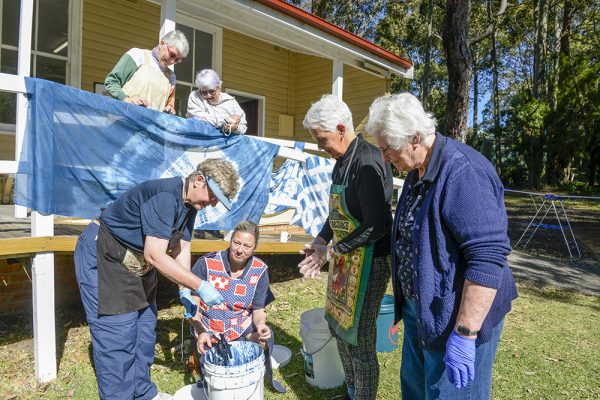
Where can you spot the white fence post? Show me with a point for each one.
(42, 277)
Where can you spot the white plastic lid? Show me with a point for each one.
(280, 356)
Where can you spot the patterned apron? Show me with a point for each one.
(349, 273)
(149, 83)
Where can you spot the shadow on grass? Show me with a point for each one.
(570, 297)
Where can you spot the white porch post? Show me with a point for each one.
(337, 86)
(42, 270)
(23, 69)
(167, 17)
(42, 276)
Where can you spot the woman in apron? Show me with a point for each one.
(143, 77)
(147, 229)
(355, 238)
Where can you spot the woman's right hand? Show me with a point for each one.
(204, 343)
(137, 101)
(315, 256)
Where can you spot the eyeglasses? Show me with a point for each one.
(173, 55)
(383, 151)
(207, 92)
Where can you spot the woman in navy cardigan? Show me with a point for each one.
(451, 281)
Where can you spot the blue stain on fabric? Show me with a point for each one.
(81, 151)
(242, 352)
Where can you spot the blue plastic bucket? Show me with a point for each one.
(387, 332)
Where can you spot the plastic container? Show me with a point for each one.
(387, 332)
(243, 381)
(322, 365)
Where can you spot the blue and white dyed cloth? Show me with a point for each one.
(81, 151)
(308, 186)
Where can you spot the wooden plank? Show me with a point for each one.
(11, 247)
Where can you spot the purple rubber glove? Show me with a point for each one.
(460, 359)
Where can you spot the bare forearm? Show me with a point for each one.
(175, 272)
(183, 257)
(259, 317)
(475, 305)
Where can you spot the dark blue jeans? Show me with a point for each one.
(123, 344)
(423, 373)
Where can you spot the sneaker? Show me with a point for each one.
(162, 396)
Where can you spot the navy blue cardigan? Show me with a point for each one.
(459, 233)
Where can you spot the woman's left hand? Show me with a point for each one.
(264, 333)
(460, 359)
(169, 109)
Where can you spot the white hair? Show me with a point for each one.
(178, 40)
(327, 113)
(398, 118)
(207, 78)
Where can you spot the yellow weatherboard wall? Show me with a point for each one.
(260, 68)
(313, 79)
(110, 28)
(360, 89)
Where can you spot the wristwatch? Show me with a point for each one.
(465, 331)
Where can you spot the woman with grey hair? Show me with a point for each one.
(355, 238)
(147, 229)
(452, 285)
(211, 105)
(143, 77)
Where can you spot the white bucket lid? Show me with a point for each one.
(313, 321)
(280, 356)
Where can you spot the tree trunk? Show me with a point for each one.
(319, 8)
(539, 61)
(427, 66)
(459, 64)
(475, 96)
(495, 95)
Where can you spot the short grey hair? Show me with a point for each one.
(207, 78)
(327, 113)
(222, 172)
(398, 118)
(247, 227)
(178, 40)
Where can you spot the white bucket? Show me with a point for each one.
(240, 382)
(322, 365)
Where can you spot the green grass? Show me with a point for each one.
(549, 350)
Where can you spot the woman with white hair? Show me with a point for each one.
(355, 238)
(143, 76)
(211, 105)
(452, 285)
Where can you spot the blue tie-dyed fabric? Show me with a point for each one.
(81, 151)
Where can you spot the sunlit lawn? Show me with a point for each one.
(549, 350)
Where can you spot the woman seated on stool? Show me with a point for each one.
(243, 281)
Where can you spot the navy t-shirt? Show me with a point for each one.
(262, 296)
(152, 208)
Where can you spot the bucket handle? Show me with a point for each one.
(321, 348)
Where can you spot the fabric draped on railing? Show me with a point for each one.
(81, 151)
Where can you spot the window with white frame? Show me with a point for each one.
(49, 46)
(205, 52)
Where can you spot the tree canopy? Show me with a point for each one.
(525, 72)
